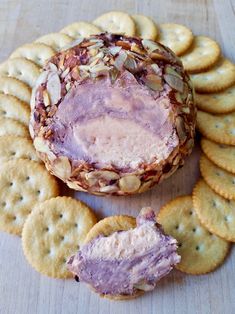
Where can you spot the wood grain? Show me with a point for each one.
(23, 290)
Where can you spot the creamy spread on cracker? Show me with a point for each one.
(126, 261)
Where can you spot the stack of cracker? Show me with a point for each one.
(204, 224)
(52, 227)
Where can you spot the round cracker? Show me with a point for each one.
(12, 107)
(13, 127)
(80, 29)
(218, 78)
(203, 53)
(21, 69)
(223, 102)
(37, 52)
(15, 147)
(55, 40)
(217, 128)
(215, 212)
(23, 183)
(110, 225)
(53, 232)
(116, 22)
(145, 27)
(14, 87)
(106, 227)
(221, 181)
(175, 36)
(201, 252)
(220, 154)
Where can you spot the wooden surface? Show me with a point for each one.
(23, 290)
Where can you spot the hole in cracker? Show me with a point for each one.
(13, 153)
(11, 184)
(38, 192)
(177, 227)
(27, 178)
(61, 216)
(21, 198)
(197, 248)
(62, 238)
(14, 218)
(180, 245)
(191, 212)
(194, 229)
(75, 225)
(4, 204)
(47, 229)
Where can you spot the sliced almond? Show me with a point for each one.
(158, 56)
(150, 45)
(154, 82)
(54, 88)
(75, 186)
(130, 64)
(120, 60)
(109, 189)
(62, 168)
(46, 98)
(129, 184)
(114, 50)
(180, 128)
(41, 146)
(174, 82)
(145, 186)
(113, 73)
(171, 71)
(99, 69)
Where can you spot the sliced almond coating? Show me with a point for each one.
(55, 40)
(12, 107)
(203, 53)
(145, 27)
(215, 212)
(217, 128)
(81, 29)
(175, 36)
(14, 87)
(116, 22)
(220, 154)
(21, 69)
(201, 252)
(221, 181)
(218, 78)
(37, 52)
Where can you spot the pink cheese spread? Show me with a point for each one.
(126, 261)
(120, 124)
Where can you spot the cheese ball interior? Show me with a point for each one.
(113, 114)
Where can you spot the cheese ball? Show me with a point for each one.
(113, 114)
